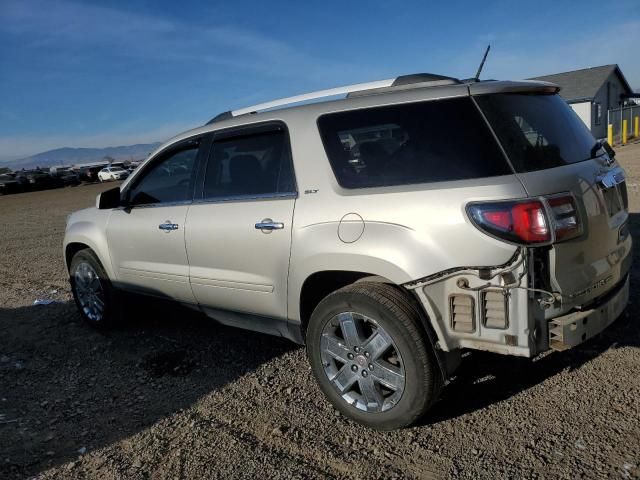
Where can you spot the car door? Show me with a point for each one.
(146, 237)
(238, 233)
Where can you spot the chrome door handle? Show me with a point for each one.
(168, 226)
(268, 224)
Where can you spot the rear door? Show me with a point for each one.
(146, 238)
(238, 233)
(553, 152)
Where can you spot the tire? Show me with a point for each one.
(83, 263)
(384, 313)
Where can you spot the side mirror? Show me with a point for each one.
(108, 199)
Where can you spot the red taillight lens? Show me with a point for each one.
(518, 222)
(530, 222)
(526, 222)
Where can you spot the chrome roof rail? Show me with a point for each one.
(420, 79)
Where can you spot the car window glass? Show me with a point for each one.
(168, 180)
(537, 131)
(411, 143)
(255, 164)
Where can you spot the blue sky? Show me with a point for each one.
(115, 73)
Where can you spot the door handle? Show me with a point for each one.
(268, 224)
(168, 226)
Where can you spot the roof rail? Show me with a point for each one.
(418, 79)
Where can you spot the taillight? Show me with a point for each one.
(518, 222)
(527, 222)
(566, 224)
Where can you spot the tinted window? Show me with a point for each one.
(407, 144)
(167, 180)
(254, 164)
(537, 131)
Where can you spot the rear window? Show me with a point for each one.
(411, 143)
(537, 131)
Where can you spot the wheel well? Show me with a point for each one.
(71, 250)
(320, 284)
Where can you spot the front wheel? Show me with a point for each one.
(371, 356)
(92, 291)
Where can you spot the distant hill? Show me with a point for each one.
(72, 156)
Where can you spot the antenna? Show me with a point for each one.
(484, 58)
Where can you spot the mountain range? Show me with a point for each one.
(74, 156)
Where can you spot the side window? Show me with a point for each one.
(168, 180)
(251, 164)
(410, 144)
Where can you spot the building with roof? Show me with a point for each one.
(591, 92)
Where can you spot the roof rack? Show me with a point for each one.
(402, 82)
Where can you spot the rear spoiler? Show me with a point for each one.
(522, 86)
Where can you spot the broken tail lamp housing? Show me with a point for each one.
(531, 221)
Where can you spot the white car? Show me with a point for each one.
(112, 173)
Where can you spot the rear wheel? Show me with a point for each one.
(92, 291)
(371, 357)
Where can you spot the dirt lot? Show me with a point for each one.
(173, 395)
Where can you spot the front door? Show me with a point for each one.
(238, 233)
(146, 238)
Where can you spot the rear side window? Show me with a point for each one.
(253, 164)
(537, 131)
(408, 144)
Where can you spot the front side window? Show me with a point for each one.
(168, 179)
(252, 164)
(409, 144)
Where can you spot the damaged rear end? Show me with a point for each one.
(569, 276)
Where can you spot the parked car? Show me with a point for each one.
(38, 179)
(457, 232)
(112, 173)
(9, 184)
(67, 176)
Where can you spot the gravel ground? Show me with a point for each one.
(173, 395)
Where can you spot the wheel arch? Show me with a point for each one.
(83, 235)
(320, 284)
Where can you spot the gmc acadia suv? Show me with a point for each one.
(388, 231)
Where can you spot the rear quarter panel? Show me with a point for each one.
(405, 233)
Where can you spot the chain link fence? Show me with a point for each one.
(616, 117)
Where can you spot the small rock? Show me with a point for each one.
(278, 431)
(580, 444)
(82, 450)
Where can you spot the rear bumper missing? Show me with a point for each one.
(572, 329)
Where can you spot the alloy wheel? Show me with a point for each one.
(362, 362)
(89, 291)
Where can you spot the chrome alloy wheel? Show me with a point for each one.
(89, 291)
(362, 361)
